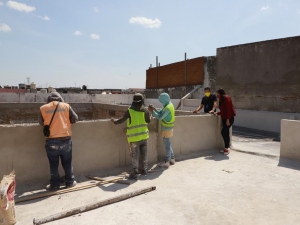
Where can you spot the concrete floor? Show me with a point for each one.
(213, 189)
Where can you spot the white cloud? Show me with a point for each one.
(265, 8)
(20, 6)
(1, 3)
(95, 36)
(96, 10)
(44, 17)
(77, 33)
(149, 23)
(4, 27)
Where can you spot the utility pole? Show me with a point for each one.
(157, 72)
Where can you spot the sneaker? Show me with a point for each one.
(226, 151)
(164, 165)
(131, 176)
(172, 161)
(50, 187)
(71, 185)
(222, 151)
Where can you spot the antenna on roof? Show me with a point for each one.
(28, 79)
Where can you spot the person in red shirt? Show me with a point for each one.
(227, 113)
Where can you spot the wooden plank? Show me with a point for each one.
(88, 207)
(63, 191)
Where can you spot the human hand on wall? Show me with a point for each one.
(151, 108)
(112, 119)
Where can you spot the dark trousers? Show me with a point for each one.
(225, 131)
(139, 156)
(60, 148)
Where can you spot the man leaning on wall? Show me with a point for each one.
(137, 117)
(209, 102)
(59, 143)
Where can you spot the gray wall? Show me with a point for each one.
(99, 145)
(70, 98)
(263, 75)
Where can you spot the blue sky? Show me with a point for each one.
(110, 44)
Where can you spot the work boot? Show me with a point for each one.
(172, 161)
(165, 165)
(131, 176)
(50, 187)
(144, 173)
(71, 185)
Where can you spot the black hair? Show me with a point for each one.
(221, 92)
(207, 88)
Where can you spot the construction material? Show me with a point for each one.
(103, 179)
(88, 207)
(63, 191)
(7, 203)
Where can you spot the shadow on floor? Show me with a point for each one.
(288, 163)
(211, 154)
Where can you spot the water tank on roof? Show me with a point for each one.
(50, 89)
(32, 86)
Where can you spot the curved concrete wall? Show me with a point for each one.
(99, 145)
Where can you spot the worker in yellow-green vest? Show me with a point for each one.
(137, 117)
(167, 117)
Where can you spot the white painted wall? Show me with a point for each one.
(262, 120)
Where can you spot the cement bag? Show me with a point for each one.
(7, 201)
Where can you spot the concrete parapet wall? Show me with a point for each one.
(290, 141)
(193, 134)
(262, 120)
(70, 98)
(99, 145)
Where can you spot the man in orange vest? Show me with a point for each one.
(59, 143)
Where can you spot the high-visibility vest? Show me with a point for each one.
(137, 129)
(60, 126)
(169, 124)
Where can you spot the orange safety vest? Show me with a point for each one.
(60, 126)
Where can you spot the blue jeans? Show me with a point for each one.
(139, 156)
(169, 150)
(60, 148)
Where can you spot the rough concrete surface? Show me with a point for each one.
(212, 189)
(250, 73)
(264, 147)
